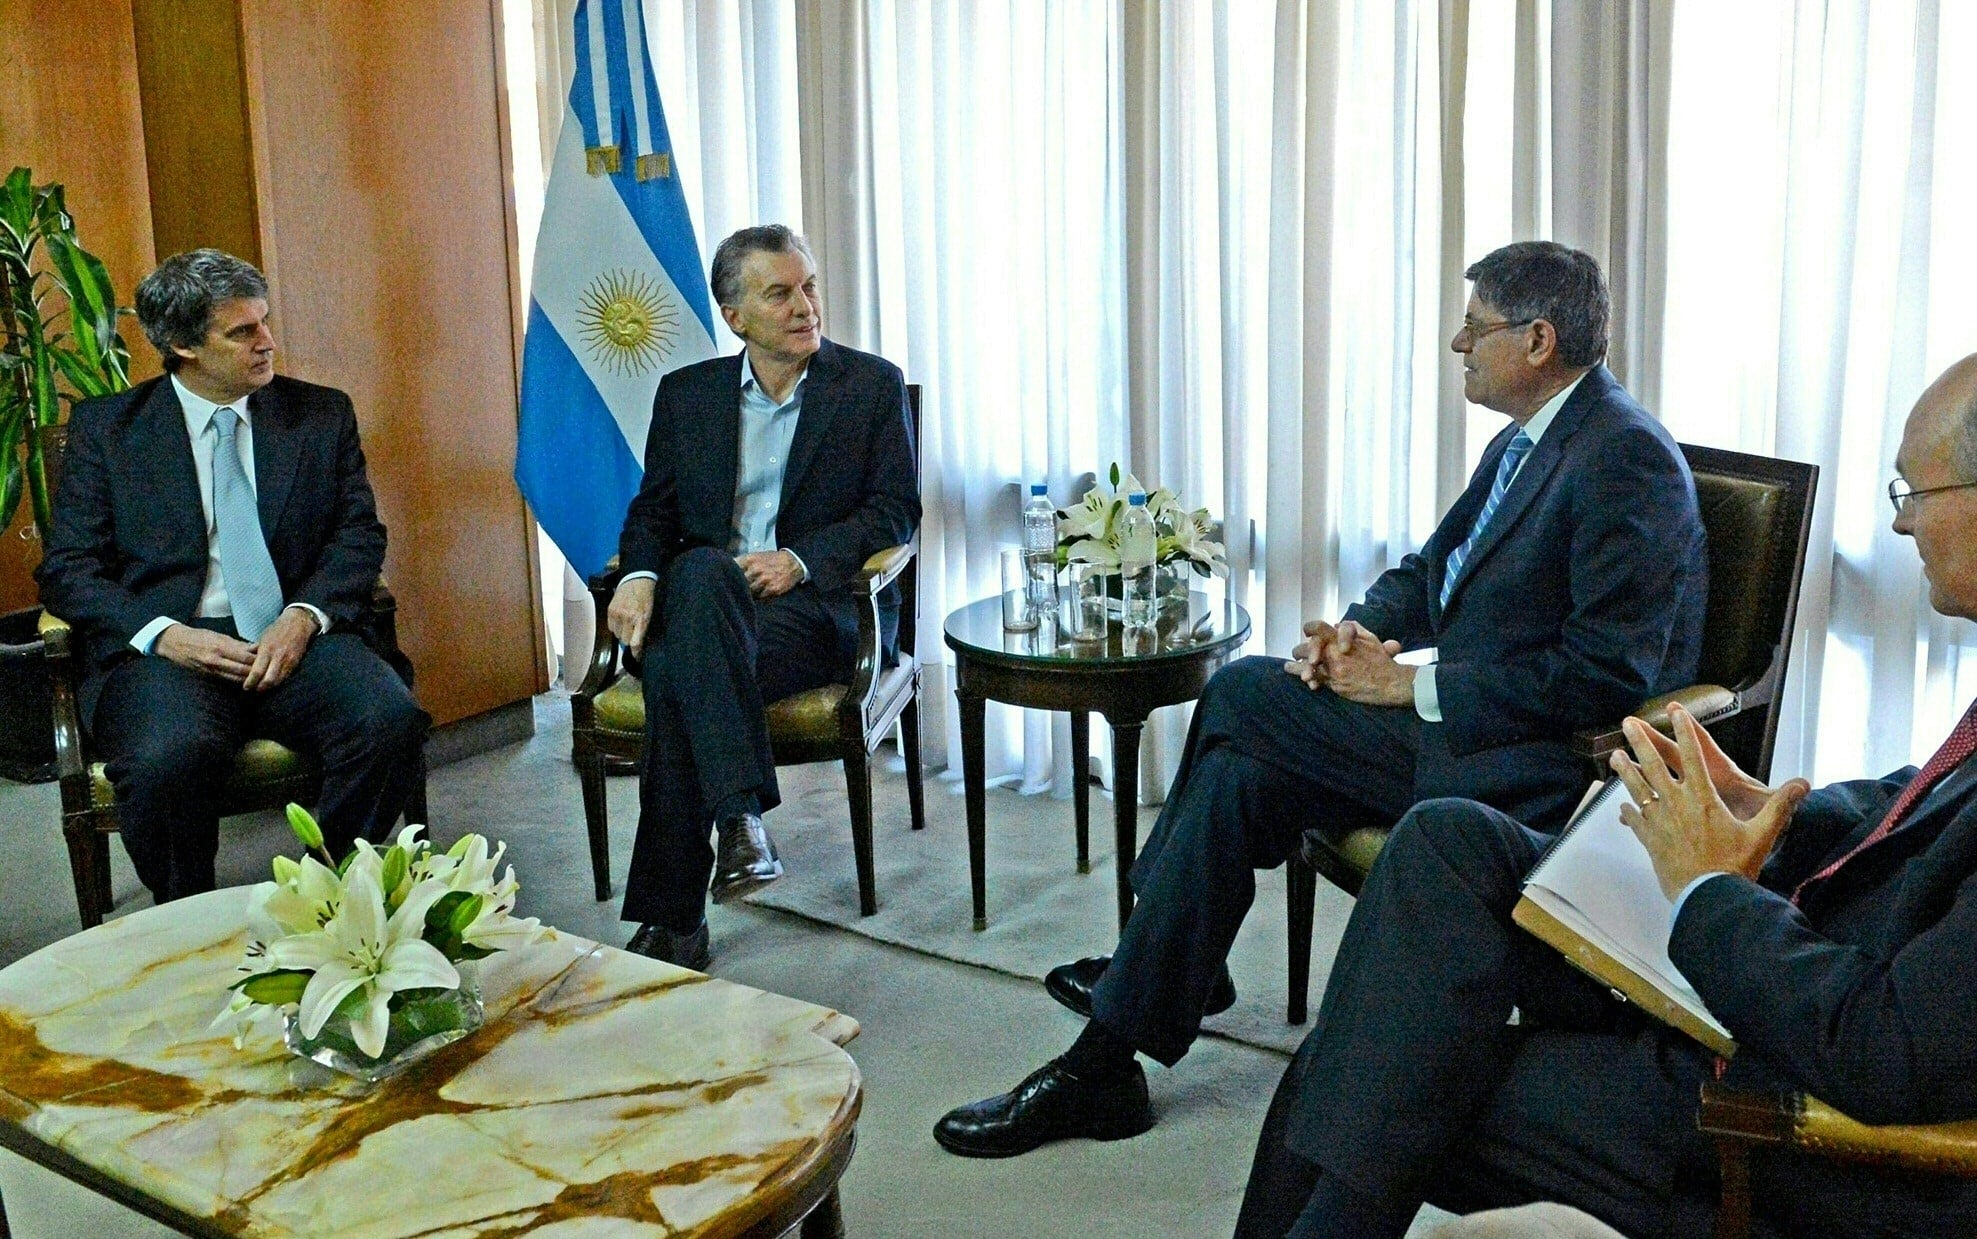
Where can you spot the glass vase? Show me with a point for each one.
(419, 1027)
(1171, 586)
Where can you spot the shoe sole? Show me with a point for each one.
(1126, 1130)
(747, 886)
(1080, 1003)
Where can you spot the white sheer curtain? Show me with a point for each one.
(1819, 274)
(962, 175)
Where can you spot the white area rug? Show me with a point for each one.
(1041, 910)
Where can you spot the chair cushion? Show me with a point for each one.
(803, 717)
(1361, 847)
(807, 716)
(621, 707)
(259, 769)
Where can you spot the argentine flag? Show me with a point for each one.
(619, 295)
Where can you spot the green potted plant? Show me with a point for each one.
(58, 344)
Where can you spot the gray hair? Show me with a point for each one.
(175, 302)
(1530, 280)
(763, 238)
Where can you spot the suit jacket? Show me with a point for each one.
(1583, 597)
(1861, 996)
(128, 539)
(850, 486)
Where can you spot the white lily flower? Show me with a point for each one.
(301, 899)
(361, 950)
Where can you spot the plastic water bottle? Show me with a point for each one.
(1040, 550)
(1137, 547)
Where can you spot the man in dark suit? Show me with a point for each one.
(215, 544)
(1565, 587)
(1834, 934)
(770, 477)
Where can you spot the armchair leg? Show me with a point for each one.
(1300, 899)
(85, 847)
(596, 815)
(858, 788)
(1733, 1216)
(909, 733)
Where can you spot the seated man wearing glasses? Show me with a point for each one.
(1565, 587)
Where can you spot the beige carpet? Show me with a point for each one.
(1041, 910)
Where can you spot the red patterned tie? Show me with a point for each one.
(1955, 751)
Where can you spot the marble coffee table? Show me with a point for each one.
(608, 1094)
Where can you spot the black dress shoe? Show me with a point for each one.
(745, 859)
(1071, 984)
(687, 950)
(1052, 1104)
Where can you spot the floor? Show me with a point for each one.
(936, 1031)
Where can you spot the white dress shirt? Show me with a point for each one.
(205, 438)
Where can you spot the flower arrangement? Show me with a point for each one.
(373, 940)
(1088, 531)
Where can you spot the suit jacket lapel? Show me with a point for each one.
(162, 449)
(1531, 478)
(277, 453)
(820, 404)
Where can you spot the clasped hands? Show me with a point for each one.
(770, 574)
(257, 666)
(1354, 663)
(1693, 810)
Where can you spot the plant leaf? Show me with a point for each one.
(276, 989)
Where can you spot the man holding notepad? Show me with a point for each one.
(1833, 933)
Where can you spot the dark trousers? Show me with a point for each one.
(170, 736)
(1266, 760)
(718, 657)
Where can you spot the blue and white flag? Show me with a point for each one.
(619, 295)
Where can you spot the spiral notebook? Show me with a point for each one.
(1594, 897)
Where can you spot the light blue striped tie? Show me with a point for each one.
(1520, 443)
(252, 586)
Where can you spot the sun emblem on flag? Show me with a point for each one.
(627, 320)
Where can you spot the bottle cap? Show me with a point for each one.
(1039, 488)
(1137, 499)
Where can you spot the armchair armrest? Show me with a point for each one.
(57, 640)
(54, 631)
(885, 566)
(605, 659)
(605, 582)
(1806, 1123)
(1707, 702)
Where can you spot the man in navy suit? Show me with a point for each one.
(770, 477)
(1831, 933)
(215, 546)
(1565, 587)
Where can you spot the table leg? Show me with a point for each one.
(1081, 784)
(974, 779)
(1125, 804)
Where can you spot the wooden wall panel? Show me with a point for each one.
(199, 155)
(69, 110)
(387, 230)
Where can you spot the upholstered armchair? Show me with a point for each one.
(1757, 517)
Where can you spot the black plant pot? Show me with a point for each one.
(27, 732)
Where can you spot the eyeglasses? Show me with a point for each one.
(1899, 492)
(1476, 331)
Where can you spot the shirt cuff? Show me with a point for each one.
(802, 569)
(147, 637)
(640, 575)
(1427, 701)
(1683, 898)
(322, 620)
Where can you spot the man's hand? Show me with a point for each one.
(771, 574)
(279, 649)
(630, 613)
(1308, 657)
(1742, 795)
(205, 651)
(1683, 821)
(1360, 667)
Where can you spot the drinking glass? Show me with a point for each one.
(1017, 613)
(1085, 603)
